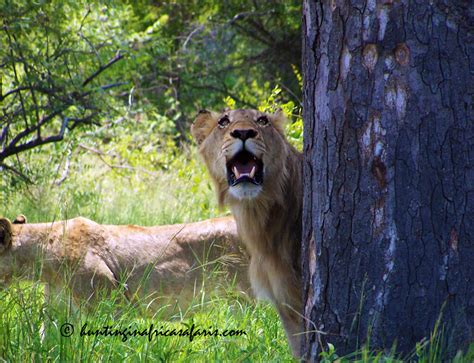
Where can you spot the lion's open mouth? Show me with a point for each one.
(244, 167)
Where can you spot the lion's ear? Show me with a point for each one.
(5, 234)
(203, 125)
(280, 120)
(20, 219)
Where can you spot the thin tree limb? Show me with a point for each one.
(15, 171)
(115, 59)
(194, 32)
(101, 155)
(65, 172)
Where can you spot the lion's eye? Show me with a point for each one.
(263, 120)
(223, 122)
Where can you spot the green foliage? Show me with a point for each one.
(329, 355)
(232, 48)
(30, 329)
(294, 128)
(83, 66)
(56, 58)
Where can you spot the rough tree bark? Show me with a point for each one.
(388, 220)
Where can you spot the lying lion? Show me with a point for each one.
(166, 265)
(258, 174)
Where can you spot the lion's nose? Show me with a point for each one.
(244, 134)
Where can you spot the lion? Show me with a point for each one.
(258, 174)
(163, 266)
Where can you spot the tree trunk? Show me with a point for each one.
(388, 220)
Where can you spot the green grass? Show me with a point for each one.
(24, 338)
(180, 193)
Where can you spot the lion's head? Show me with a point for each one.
(245, 152)
(5, 235)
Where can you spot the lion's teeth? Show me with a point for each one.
(252, 172)
(236, 172)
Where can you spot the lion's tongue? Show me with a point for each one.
(244, 169)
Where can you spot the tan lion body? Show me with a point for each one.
(259, 176)
(164, 264)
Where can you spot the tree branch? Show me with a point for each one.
(247, 14)
(32, 129)
(13, 91)
(195, 31)
(258, 26)
(12, 149)
(15, 171)
(117, 84)
(65, 173)
(116, 58)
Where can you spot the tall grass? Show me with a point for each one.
(33, 330)
(180, 193)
